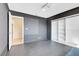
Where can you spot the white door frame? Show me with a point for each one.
(10, 30)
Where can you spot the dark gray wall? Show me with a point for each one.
(49, 29)
(35, 29)
(3, 27)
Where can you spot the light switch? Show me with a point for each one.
(26, 28)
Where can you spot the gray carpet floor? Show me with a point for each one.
(40, 48)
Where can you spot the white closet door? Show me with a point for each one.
(61, 30)
(72, 30)
(54, 30)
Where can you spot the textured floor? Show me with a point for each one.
(40, 48)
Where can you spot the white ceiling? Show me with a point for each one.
(37, 10)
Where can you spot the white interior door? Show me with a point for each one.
(54, 30)
(10, 30)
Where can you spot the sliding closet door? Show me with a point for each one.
(54, 30)
(72, 30)
(61, 30)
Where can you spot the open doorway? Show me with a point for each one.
(16, 30)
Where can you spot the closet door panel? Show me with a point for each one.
(72, 30)
(54, 30)
(61, 30)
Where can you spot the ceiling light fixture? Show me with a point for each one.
(44, 7)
